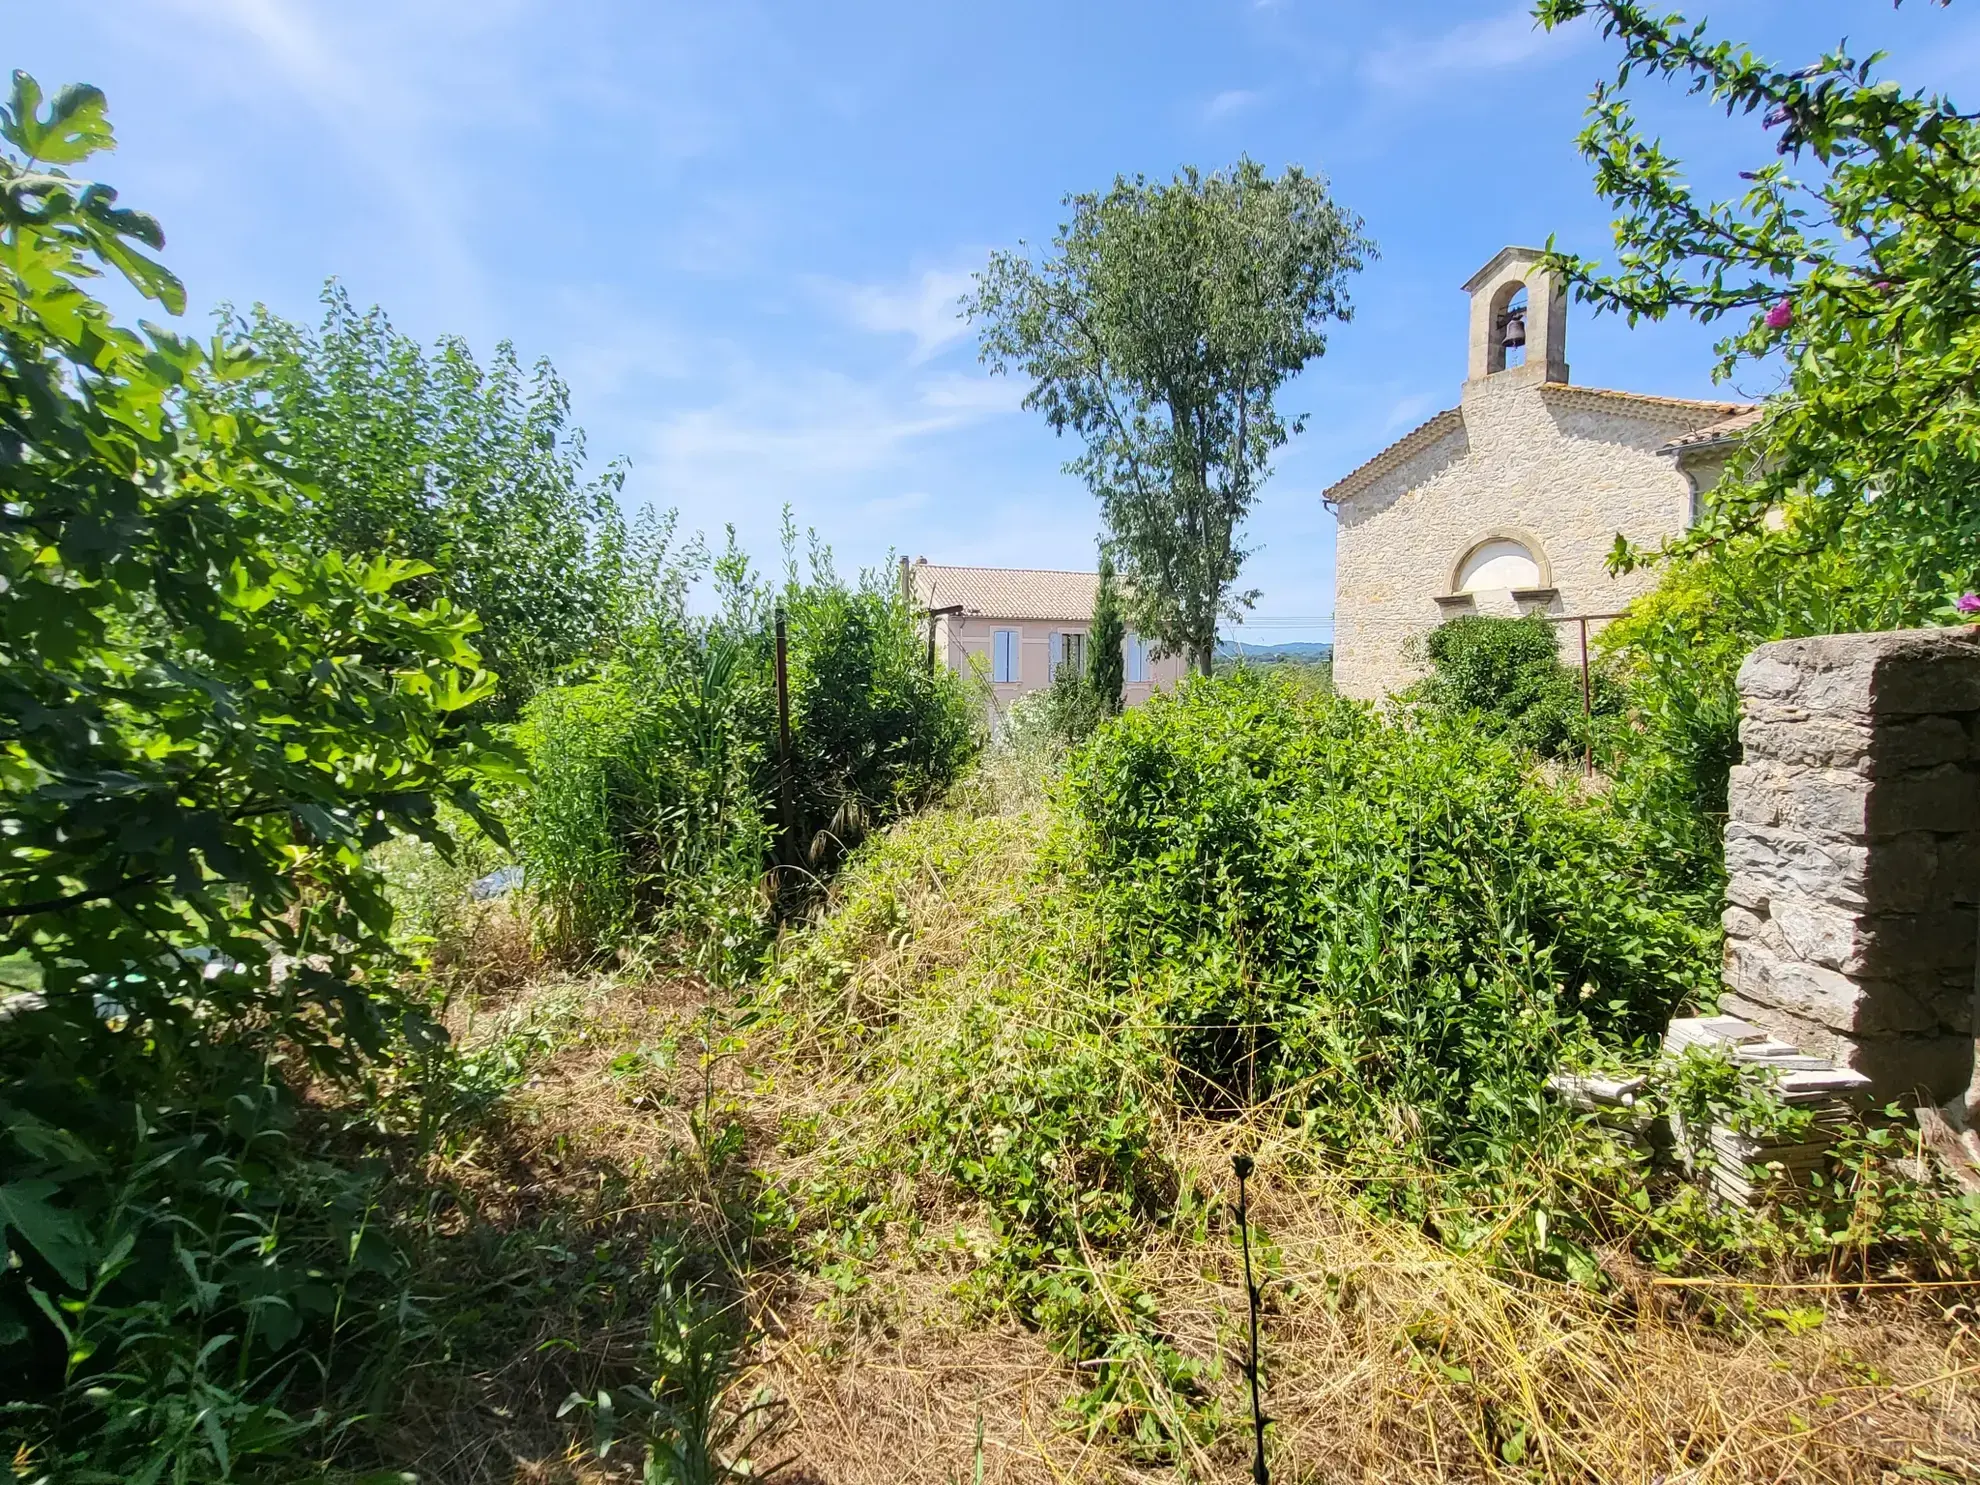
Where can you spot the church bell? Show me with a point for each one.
(1515, 337)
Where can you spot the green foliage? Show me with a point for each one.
(204, 726)
(1106, 641)
(875, 732)
(1397, 923)
(1846, 262)
(694, 1430)
(652, 807)
(475, 472)
(1071, 708)
(643, 814)
(1509, 674)
(1681, 647)
(1704, 1087)
(1160, 332)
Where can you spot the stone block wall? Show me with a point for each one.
(1572, 466)
(1853, 853)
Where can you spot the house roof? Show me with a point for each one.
(1714, 435)
(1005, 592)
(1412, 443)
(1675, 410)
(1643, 404)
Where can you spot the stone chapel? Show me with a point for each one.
(1511, 501)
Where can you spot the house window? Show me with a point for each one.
(1137, 660)
(1068, 654)
(1004, 656)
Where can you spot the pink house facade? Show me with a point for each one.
(1015, 628)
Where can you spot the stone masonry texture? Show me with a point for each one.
(1562, 469)
(1853, 852)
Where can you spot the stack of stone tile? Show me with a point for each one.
(1613, 1102)
(1748, 1171)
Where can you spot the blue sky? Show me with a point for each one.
(739, 229)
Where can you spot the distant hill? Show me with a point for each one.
(1298, 652)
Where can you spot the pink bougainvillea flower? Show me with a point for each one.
(1781, 315)
(1968, 603)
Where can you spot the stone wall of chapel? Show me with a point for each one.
(1571, 474)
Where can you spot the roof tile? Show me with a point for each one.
(1006, 592)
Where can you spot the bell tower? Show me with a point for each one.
(1518, 320)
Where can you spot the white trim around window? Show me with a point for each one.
(1006, 652)
(1138, 663)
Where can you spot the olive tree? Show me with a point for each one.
(1160, 330)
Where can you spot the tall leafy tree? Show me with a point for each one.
(205, 723)
(1160, 330)
(1105, 662)
(475, 471)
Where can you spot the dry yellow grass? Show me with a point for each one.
(1388, 1357)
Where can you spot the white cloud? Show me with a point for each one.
(1489, 45)
(1232, 100)
(807, 437)
(927, 308)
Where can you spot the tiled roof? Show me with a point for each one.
(1673, 408)
(1726, 430)
(1005, 592)
(1421, 437)
(1663, 409)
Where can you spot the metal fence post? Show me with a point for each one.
(1587, 709)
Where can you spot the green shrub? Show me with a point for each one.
(644, 812)
(1073, 709)
(209, 725)
(653, 805)
(1682, 644)
(1508, 672)
(474, 471)
(875, 732)
(1398, 925)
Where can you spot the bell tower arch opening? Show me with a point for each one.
(1508, 327)
(1518, 319)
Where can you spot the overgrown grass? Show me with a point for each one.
(951, 1185)
(991, 1119)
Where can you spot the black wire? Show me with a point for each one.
(1259, 1473)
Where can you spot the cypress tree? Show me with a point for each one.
(1105, 642)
